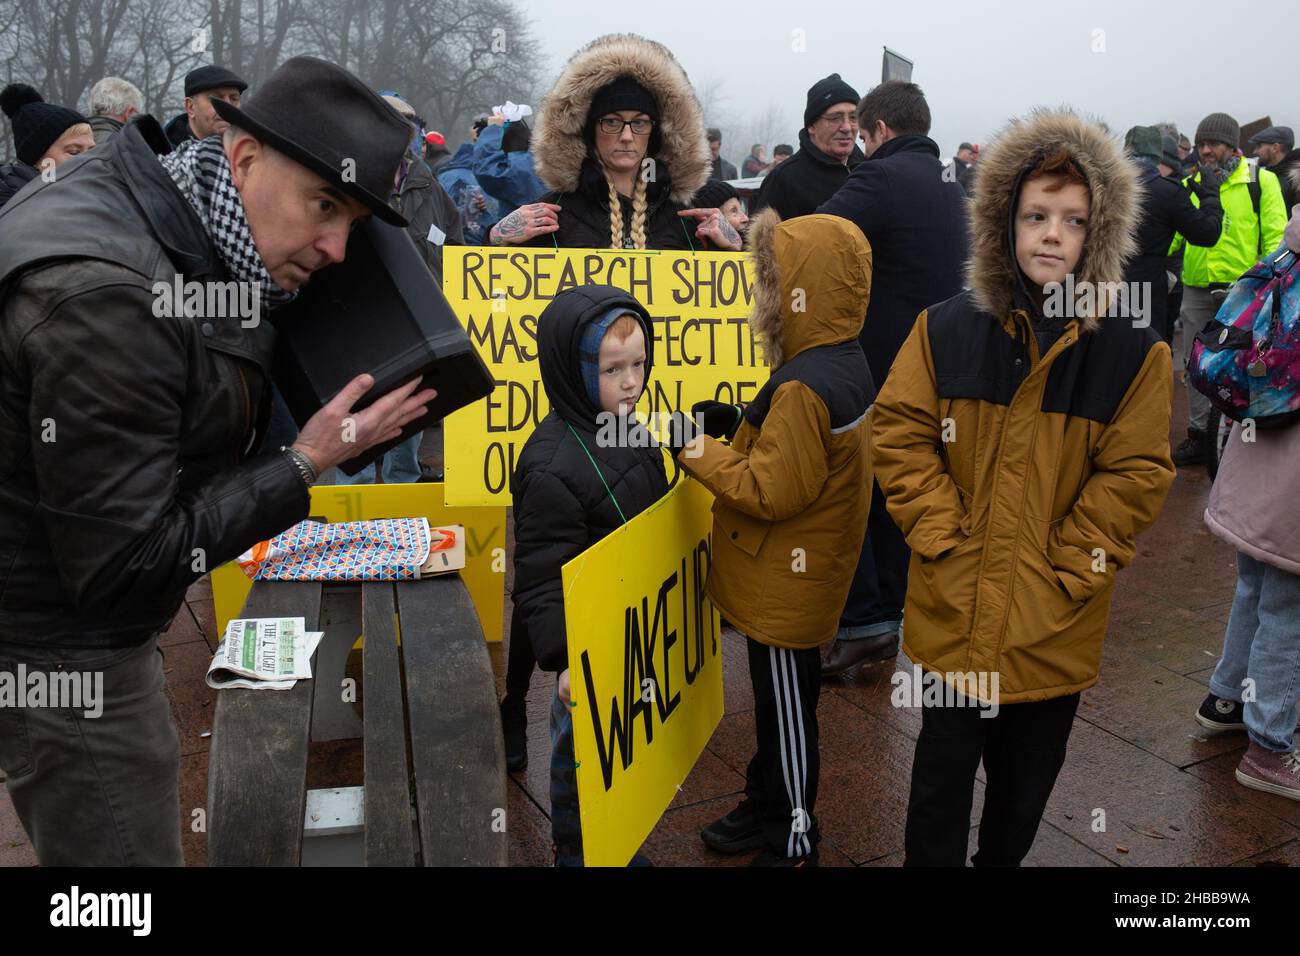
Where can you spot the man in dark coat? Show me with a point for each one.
(827, 153)
(127, 415)
(204, 87)
(915, 219)
(1166, 209)
(963, 165)
(1276, 150)
(433, 221)
(721, 168)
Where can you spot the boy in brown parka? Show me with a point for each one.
(1021, 442)
(792, 495)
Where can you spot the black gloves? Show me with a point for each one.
(680, 431)
(717, 419)
(1207, 186)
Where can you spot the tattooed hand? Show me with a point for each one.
(715, 227)
(535, 219)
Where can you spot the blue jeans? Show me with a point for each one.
(566, 824)
(875, 602)
(401, 466)
(1263, 644)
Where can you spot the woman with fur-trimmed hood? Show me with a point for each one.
(620, 142)
(1022, 443)
(792, 490)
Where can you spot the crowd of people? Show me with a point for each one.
(949, 448)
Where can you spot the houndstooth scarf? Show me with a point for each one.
(201, 172)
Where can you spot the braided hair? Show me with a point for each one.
(639, 206)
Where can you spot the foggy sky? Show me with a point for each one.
(978, 63)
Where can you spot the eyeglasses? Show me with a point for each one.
(839, 119)
(614, 125)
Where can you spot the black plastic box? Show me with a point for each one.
(378, 311)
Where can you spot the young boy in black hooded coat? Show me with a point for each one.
(571, 488)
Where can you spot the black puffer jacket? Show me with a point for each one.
(561, 505)
(584, 216)
(804, 181)
(13, 177)
(124, 434)
(1167, 208)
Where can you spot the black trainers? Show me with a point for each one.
(514, 727)
(738, 831)
(768, 858)
(1192, 449)
(1219, 713)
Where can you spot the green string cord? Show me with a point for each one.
(599, 474)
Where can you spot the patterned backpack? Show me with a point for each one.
(1246, 360)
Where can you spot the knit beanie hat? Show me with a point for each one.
(824, 94)
(713, 194)
(517, 137)
(589, 349)
(1144, 142)
(1219, 128)
(36, 123)
(624, 93)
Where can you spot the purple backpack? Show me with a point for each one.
(1246, 360)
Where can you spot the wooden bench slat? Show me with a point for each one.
(257, 766)
(390, 840)
(456, 743)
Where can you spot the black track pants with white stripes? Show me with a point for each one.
(782, 776)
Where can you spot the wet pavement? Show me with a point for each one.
(1138, 764)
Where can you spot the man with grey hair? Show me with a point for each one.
(113, 101)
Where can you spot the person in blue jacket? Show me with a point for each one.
(503, 166)
(479, 212)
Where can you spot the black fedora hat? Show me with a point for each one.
(324, 118)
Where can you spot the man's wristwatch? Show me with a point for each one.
(306, 470)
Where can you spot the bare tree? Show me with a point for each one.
(450, 58)
(64, 46)
(770, 127)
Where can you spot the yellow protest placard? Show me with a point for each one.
(645, 668)
(703, 349)
(485, 543)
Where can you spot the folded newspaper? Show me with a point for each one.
(264, 654)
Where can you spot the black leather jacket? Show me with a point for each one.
(124, 435)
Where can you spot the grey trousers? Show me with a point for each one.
(1198, 308)
(93, 790)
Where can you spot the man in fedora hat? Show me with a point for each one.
(128, 416)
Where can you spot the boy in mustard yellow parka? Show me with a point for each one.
(1021, 442)
(792, 495)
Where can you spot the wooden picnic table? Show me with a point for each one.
(435, 781)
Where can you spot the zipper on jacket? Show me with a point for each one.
(248, 402)
(1065, 340)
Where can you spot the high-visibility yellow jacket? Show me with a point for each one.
(1246, 238)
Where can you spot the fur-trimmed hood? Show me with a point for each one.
(812, 283)
(559, 146)
(992, 272)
